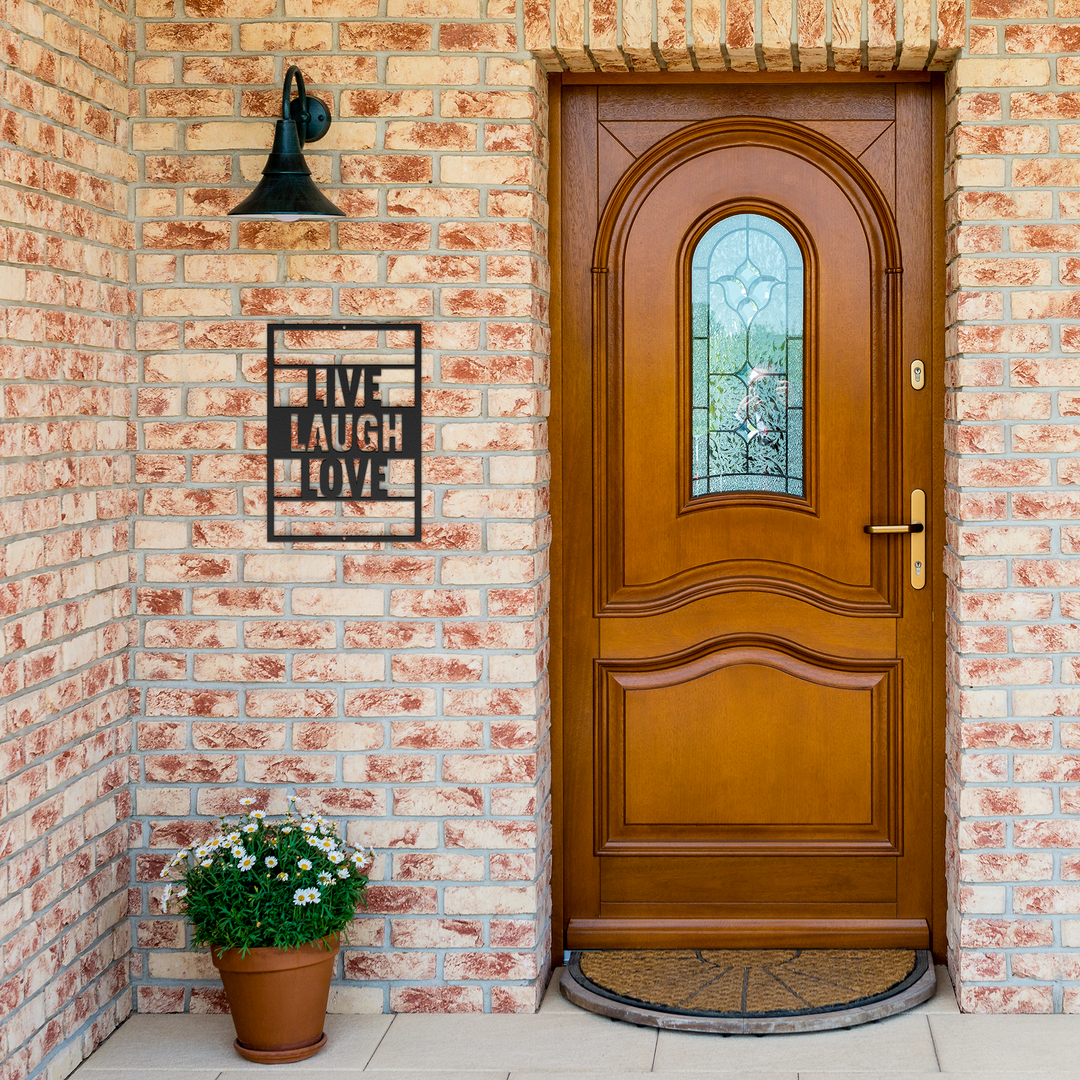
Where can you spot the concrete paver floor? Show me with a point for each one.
(933, 1039)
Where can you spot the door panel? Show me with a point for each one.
(814, 759)
(746, 674)
(685, 103)
(800, 755)
(698, 546)
(734, 886)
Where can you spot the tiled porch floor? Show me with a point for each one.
(931, 1040)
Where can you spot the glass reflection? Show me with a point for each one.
(747, 352)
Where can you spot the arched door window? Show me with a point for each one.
(747, 329)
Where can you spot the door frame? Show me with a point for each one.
(936, 500)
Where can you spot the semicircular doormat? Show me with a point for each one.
(756, 991)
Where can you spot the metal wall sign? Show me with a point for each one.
(343, 431)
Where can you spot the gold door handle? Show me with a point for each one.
(917, 529)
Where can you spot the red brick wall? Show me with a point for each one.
(399, 688)
(1011, 439)
(66, 375)
(402, 688)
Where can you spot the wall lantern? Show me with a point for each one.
(286, 191)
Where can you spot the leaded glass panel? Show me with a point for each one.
(747, 354)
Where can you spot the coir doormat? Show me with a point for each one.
(750, 990)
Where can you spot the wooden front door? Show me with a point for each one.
(749, 753)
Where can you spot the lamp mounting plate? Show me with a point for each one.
(318, 118)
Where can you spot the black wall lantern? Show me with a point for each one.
(286, 190)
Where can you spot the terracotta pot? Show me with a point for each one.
(278, 999)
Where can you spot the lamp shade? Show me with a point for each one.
(286, 190)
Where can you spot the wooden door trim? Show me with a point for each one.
(939, 942)
(746, 933)
(555, 449)
(935, 385)
(759, 78)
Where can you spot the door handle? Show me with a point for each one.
(917, 529)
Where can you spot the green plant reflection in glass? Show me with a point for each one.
(747, 347)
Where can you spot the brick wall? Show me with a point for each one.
(747, 36)
(1012, 434)
(66, 372)
(402, 689)
(398, 688)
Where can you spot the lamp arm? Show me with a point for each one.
(295, 73)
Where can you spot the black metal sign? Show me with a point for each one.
(343, 431)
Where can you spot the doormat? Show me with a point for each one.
(749, 991)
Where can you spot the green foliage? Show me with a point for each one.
(260, 883)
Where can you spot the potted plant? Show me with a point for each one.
(271, 899)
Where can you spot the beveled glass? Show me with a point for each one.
(747, 352)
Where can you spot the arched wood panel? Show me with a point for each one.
(649, 213)
(821, 730)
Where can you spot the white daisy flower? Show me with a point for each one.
(325, 843)
(251, 826)
(325, 879)
(238, 851)
(258, 815)
(309, 827)
(287, 829)
(336, 857)
(270, 861)
(343, 872)
(165, 897)
(283, 876)
(247, 862)
(232, 837)
(247, 802)
(304, 864)
(201, 851)
(207, 862)
(306, 896)
(181, 893)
